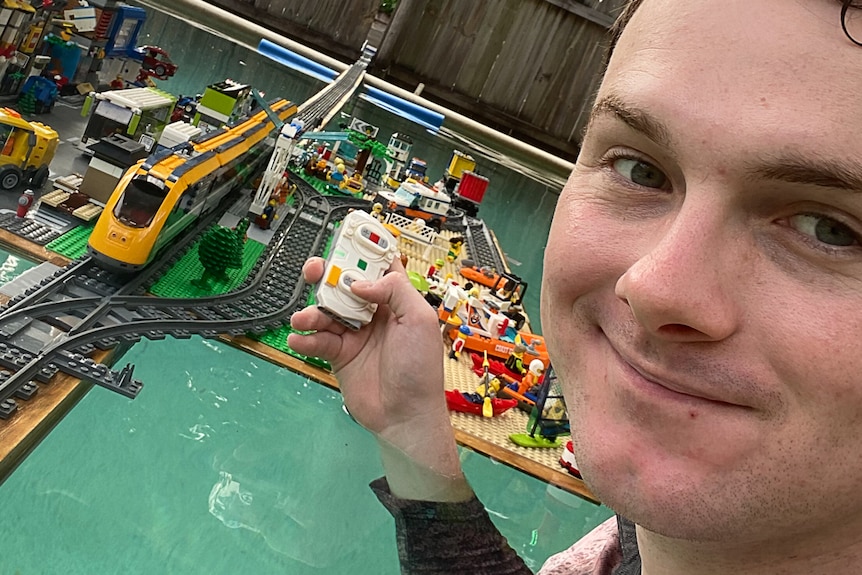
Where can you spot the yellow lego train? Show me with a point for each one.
(160, 196)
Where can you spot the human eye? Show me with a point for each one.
(638, 171)
(828, 232)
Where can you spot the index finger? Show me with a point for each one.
(312, 269)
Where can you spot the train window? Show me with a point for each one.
(139, 203)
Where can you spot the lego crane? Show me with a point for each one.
(276, 170)
(318, 112)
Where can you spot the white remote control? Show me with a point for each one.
(361, 250)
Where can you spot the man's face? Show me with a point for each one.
(707, 317)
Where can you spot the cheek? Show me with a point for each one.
(583, 262)
(814, 349)
(584, 251)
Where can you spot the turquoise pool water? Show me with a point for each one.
(228, 464)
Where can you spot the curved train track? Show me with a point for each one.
(52, 327)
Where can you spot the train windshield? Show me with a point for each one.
(139, 203)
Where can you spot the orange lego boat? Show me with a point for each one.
(502, 349)
(480, 276)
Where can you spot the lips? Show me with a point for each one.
(668, 385)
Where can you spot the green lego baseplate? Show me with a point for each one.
(277, 339)
(177, 281)
(322, 187)
(72, 244)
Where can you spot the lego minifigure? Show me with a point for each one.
(490, 391)
(337, 176)
(532, 377)
(264, 220)
(458, 343)
(25, 202)
(515, 361)
(432, 270)
(454, 249)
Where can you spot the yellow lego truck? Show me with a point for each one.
(27, 149)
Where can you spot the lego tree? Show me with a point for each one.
(367, 147)
(219, 250)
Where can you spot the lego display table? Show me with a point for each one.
(37, 416)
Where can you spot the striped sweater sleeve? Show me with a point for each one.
(450, 538)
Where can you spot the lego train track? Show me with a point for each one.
(480, 246)
(81, 316)
(315, 112)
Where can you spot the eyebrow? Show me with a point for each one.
(792, 168)
(814, 171)
(633, 117)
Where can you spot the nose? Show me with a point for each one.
(682, 289)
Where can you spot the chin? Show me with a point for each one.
(653, 492)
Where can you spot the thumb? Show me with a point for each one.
(393, 290)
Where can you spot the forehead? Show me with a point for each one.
(770, 65)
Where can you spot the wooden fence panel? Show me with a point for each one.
(526, 65)
(477, 64)
(335, 26)
(533, 62)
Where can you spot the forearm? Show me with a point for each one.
(421, 462)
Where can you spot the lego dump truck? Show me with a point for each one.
(27, 149)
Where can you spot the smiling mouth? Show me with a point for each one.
(645, 380)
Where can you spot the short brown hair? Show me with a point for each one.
(629, 8)
(619, 25)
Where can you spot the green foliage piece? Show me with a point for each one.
(219, 250)
(54, 40)
(365, 142)
(317, 184)
(388, 6)
(175, 283)
(27, 103)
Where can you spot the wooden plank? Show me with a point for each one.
(489, 33)
(35, 418)
(591, 14)
(31, 250)
(560, 478)
(452, 42)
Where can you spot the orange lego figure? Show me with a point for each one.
(532, 377)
